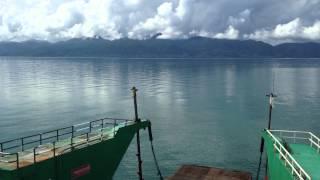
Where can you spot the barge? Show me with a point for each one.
(86, 151)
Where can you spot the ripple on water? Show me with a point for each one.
(203, 111)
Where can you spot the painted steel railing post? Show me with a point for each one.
(57, 135)
(134, 92)
(54, 149)
(72, 135)
(101, 131)
(90, 128)
(114, 128)
(87, 137)
(1, 147)
(72, 131)
(40, 139)
(17, 157)
(22, 144)
(34, 155)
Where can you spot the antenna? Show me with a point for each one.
(271, 96)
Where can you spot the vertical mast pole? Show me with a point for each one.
(271, 96)
(136, 119)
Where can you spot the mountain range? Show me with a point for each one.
(199, 47)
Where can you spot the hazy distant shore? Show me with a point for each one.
(197, 47)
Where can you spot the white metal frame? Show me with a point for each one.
(310, 138)
(295, 167)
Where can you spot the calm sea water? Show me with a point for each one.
(204, 111)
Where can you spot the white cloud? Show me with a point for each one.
(293, 30)
(160, 22)
(166, 20)
(312, 32)
(165, 9)
(182, 8)
(287, 30)
(230, 33)
(240, 19)
(112, 19)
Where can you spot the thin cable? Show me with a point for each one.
(260, 160)
(259, 167)
(156, 161)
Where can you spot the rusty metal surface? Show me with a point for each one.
(194, 172)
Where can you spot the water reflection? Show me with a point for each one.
(205, 111)
(230, 80)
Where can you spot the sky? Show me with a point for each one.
(271, 21)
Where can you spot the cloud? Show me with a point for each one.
(230, 33)
(240, 19)
(271, 21)
(294, 30)
(162, 21)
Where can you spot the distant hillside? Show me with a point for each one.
(193, 47)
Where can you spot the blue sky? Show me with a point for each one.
(271, 21)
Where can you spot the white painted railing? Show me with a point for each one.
(314, 140)
(295, 167)
(308, 137)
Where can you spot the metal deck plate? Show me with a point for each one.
(308, 157)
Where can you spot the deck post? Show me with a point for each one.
(87, 138)
(34, 155)
(114, 127)
(54, 149)
(22, 144)
(17, 158)
(72, 135)
(136, 119)
(40, 135)
(271, 96)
